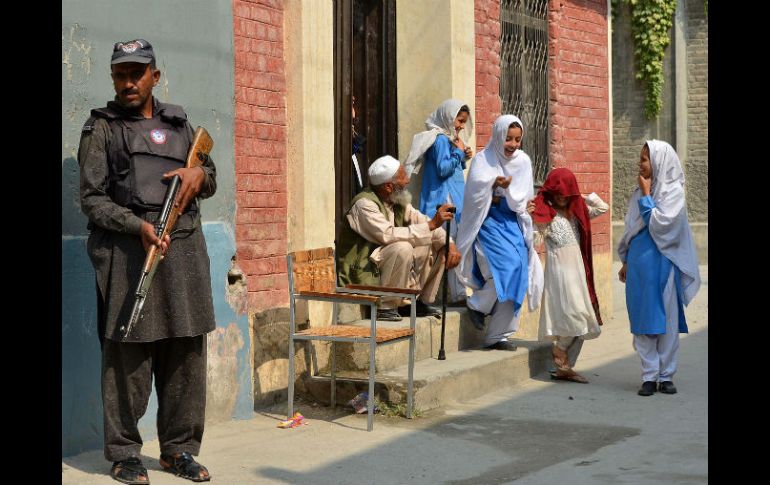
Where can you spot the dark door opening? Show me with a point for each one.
(364, 69)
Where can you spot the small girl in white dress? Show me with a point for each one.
(569, 313)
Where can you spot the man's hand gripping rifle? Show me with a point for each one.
(201, 147)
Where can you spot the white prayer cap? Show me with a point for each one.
(383, 170)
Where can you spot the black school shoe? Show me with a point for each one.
(667, 387)
(502, 345)
(648, 388)
(130, 471)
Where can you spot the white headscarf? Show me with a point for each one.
(439, 122)
(669, 227)
(383, 170)
(486, 166)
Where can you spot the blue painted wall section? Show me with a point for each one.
(81, 412)
(229, 368)
(220, 240)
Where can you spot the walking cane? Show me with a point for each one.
(441, 353)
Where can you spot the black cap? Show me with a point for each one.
(138, 50)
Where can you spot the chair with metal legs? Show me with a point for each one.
(312, 276)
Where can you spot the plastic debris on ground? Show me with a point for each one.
(358, 403)
(296, 420)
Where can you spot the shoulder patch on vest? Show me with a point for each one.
(88, 127)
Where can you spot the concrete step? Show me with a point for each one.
(464, 375)
(459, 334)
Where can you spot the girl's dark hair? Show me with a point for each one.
(516, 124)
(464, 109)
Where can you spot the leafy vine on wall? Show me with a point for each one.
(651, 22)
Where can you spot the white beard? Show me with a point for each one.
(401, 197)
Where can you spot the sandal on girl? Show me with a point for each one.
(569, 375)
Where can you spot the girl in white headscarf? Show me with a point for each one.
(660, 265)
(443, 149)
(495, 235)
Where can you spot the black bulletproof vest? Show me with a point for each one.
(141, 151)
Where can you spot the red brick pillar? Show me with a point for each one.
(260, 151)
(579, 99)
(487, 36)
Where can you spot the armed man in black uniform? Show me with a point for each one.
(129, 150)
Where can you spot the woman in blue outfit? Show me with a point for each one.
(495, 236)
(660, 265)
(442, 148)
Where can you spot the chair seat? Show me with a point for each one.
(352, 331)
(363, 299)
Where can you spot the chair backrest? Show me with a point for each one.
(312, 270)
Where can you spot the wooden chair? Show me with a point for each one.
(312, 276)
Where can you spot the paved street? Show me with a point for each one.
(542, 432)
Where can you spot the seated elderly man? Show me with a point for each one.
(387, 242)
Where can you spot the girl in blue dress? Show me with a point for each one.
(444, 152)
(660, 265)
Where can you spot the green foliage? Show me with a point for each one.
(393, 410)
(651, 22)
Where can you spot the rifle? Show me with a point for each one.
(201, 146)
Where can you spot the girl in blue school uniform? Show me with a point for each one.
(660, 265)
(444, 151)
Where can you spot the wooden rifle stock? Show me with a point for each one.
(202, 144)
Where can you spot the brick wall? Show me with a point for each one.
(631, 129)
(630, 126)
(487, 33)
(697, 156)
(579, 99)
(260, 151)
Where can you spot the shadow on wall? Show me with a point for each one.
(73, 222)
(81, 356)
(81, 405)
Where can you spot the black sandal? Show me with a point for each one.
(129, 471)
(184, 466)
